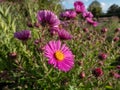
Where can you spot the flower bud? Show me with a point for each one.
(104, 30)
(97, 72)
(102, 56)
(82, 75)
(12, 55)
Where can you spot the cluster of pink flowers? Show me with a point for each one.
(79, 8)
(68, 14)
(60, 56)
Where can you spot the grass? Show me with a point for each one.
(30, 70)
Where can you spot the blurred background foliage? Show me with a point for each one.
(25, 10)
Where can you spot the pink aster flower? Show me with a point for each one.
(23, 35)
(95, 23)
(79, 7)
(87, 14)
(59, 55)
(90, 21)
(46, 17)
(64, 35)
(69, 14)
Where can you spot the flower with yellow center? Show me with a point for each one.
(59, 55)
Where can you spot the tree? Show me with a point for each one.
(113, 9)
(95, 8)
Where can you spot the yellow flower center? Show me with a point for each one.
(59, 55)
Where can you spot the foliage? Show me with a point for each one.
(29, 69)
(95, 8)
(114, 10)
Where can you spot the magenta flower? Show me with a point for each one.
(95, 23)
(23, 35)
(90, 21)
(64, 35)
(69, 14)
(59, 55)
(46, 17)
(87, 14)
(79, 7)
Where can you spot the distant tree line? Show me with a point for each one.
(113, 10)
(96, 9)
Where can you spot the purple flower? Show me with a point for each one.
(95, 23)
(59, 55)
(69, 14)
(46, 17)
(90, 21)
(79, 7)
(64, 35)
(87, 14)
(23, 35)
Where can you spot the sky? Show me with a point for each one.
(104, 3)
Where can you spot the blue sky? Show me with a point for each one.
(104, 3)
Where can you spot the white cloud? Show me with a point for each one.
(105, 6)
(86, 0)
